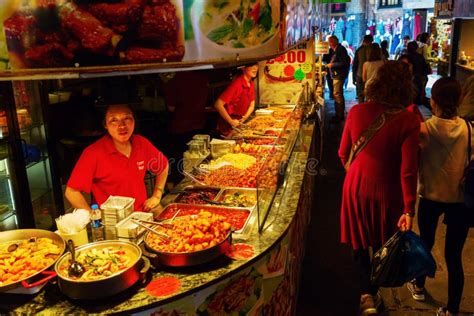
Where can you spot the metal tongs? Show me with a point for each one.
(190, 176)
(164, 225)
(160, 235)
(208, 200)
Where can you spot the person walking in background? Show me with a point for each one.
(379, 191)
(351, 56)
(384, 48)
(424, 46)
(326, 59)
(402, 47)
(373, 64)
(420, 71)
(360, 58)
(443, 156)
(339, 69)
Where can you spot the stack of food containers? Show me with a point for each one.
(129, 230)
(114, 210)
(198, 150)
(221, 147)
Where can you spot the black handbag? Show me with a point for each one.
(387, 264)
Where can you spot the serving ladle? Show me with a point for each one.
(75, 269)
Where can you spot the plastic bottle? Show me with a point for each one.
(98, 229)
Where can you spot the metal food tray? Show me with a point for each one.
(281, 106)
(232, 190)
(196, 188)
(209, 208)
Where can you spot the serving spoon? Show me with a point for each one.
(76, 269)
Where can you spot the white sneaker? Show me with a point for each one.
(417, 294)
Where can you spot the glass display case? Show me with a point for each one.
(273, 169)
(27, 196)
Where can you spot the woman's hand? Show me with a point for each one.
(405, 222)
(234, 123)
(151, 203)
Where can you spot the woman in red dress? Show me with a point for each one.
(379, 191)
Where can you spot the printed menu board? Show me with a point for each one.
(282, 79)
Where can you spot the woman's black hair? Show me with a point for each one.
(424, 37)
(412, 47)
(446, 93)
(107, 108)
(249, 64)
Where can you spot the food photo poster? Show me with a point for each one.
(51, 34)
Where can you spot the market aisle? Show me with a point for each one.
(329, 285)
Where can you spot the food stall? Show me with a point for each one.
(262, 263)
(264, 196)
(461, 62)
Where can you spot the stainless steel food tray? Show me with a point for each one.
(232, 190)
(180, 195)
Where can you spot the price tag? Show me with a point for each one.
(299, 75)
(289, 71)
(306, 68)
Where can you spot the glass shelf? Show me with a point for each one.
(37, 194)
(6, 215)
(31, 127)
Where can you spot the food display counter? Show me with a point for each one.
(259, 272)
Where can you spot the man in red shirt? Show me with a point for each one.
(237, 102)
(116, 165)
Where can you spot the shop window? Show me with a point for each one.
(338, 8)
(390, 3)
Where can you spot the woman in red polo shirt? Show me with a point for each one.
(237, 102)
(116, 165)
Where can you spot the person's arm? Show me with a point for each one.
(81, 179)
(364, 72)
(76, 199)
(346, 141)
(219, 105)
(355, 66)
(154, 200)
(249, 111)
(409, 174)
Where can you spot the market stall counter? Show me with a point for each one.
(258, 273)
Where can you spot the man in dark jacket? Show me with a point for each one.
(339, 68)
(361, 56)
(420, 71)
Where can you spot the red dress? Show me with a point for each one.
(381, 182)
